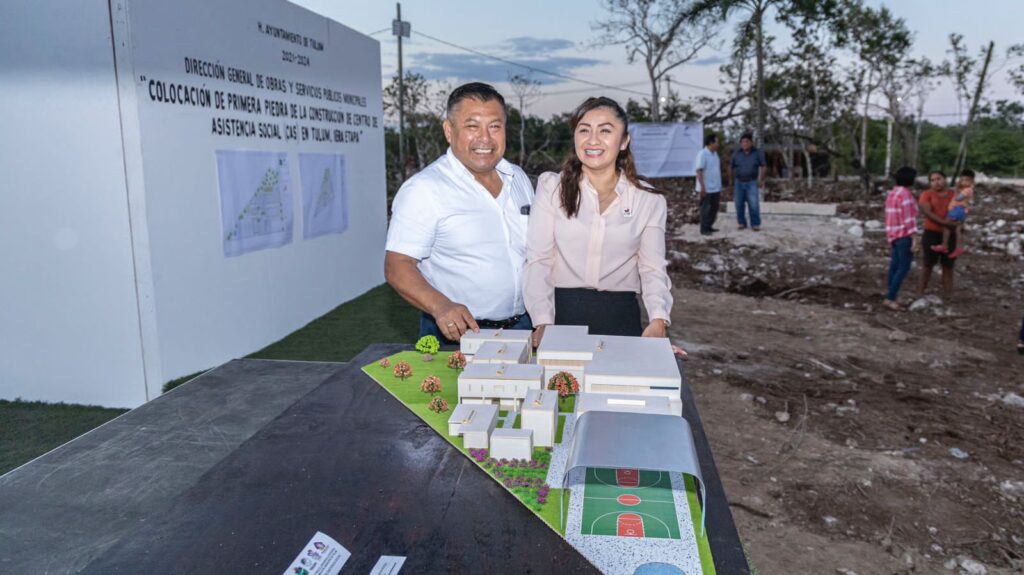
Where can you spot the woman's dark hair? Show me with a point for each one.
(939, 172)
(572, 169)
(905, 176)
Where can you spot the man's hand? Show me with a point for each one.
(657, 328)
(454, 320)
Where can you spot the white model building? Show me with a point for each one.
(622, 402)
(540, 415)
(505, 384)
(613, 364)
(503, 352)
(470, 341)
(474, 423)
(511, 444)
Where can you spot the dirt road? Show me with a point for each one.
(852, 439)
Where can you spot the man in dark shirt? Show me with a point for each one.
(747, 169)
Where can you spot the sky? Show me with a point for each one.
(558, 37)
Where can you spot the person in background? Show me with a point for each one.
(747, 168)
(957, 213)
(901, 232)
(596, 237)
(934, 202)
(457, 239)
(709, 184)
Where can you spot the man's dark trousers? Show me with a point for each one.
(709, 211)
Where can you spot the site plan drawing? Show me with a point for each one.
(324, 194)
(255, 200)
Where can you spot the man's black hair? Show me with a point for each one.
(710, 139)
(939, 172)
(905, 176)
(967, 172)
(477, 91)
(747, 136)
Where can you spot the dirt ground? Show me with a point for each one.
(852, 439)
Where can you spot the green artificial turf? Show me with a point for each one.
(408, 392)
(567, 404)
(518, 423)
(29, 429)
(707, 563)
(378, 316)
(558, 432)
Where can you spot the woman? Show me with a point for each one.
(596, 236)
(901, 232)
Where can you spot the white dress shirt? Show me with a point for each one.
(471, 245)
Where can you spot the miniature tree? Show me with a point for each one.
(385, 363)
(431, 384)
(457, 361)
(428, 344)
(437, 405)
(566, 385)
(403, 370)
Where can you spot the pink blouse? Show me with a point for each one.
(622, 249)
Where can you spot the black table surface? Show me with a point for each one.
(350, 460)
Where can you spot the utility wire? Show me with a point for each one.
(528, 67)
(379, 31)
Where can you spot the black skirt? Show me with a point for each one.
(604, 312)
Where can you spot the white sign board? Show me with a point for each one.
(211, 184)
(666, 150)
(260, 130)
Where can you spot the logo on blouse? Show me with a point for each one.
(627, 212)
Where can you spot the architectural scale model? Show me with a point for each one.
(503, 352)
(470, 341)
(505, 384)
(632, 498)
(474, 422)
(540, 416)
(512, 444)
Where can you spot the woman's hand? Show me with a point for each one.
(538, 334)
(657, 328)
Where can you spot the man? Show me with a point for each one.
(457, 240)
(747, 170)
(934, 203)
(709, 184)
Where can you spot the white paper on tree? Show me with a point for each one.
(666, 150)
(324, 195)
(255, 200)
(321, 556)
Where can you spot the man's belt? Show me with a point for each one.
(744, 181)
(499, 323)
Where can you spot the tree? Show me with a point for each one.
(526, 90)
(961, 69)
(750, 30)
(665, 34)
(1016, 74)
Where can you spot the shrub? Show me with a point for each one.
(428, 344)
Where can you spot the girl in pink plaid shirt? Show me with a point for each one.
(901, 231)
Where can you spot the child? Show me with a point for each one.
(901, 231)
(959, 205)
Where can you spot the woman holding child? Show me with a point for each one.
(596, 236)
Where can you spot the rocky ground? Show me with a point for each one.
(852, 439)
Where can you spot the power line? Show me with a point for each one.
(560, 75)
(528, 67)
(379, 31)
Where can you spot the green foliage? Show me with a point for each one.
(428, 344)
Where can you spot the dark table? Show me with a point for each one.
(344, 458)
